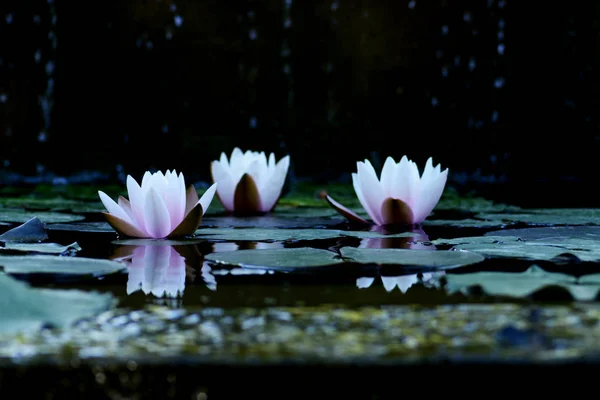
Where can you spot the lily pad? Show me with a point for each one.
(294, 218)
(96, 227)
(464, 223)
(376, 235)
(46, 264)
(555, 233)
(47, 248)
(521, 284)
(550, 216)
(437, 259)
(31, 231)
(266, 234)
(26, 309)
(285, 259)
(20, 216)
(156, 242)
(515, 247)
(51, 204)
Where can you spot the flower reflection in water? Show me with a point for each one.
(402, 282)
(415, 239)
(159, 269)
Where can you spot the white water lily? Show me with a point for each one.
(248, 183)
(161, 207)
(401, 196)
(402, 282)
(157, 270)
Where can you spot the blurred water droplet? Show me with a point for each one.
(165, 128)
(500, 35)
(472, 64)
(412, 4)
(499, 82)
(467, 16)
(444, 71)
(42, 137)
(251, 14)
(501, 24)
(445, 29)
(39, 168)
(495, 116)
(287, 23)
(9, 18)
(37, 56)
(434, 101)
(490, 3)
(149, 45)
(457, 61)
(168, 33)
(479, 124)
(501, 49)
(252, 34)
(287, 69)
(288, 3)
(334, 5)
(36, 19)
(3, 98)
(6, 163)
(501, 4)
(50, 67)
(253, 122)
(173, 7)
(178, 20)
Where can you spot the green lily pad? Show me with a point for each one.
(47, 248)
(266, 234)
(515, 247)
(377, 235)
(31, 231)
(464, 223)
(554, 233)
(437, 259)
(26, 309)
(550, 216)
(521, 284)
(96, 227)
(51, 204)
(46, 264)
(284, 259)
(156, 242)
(20, 216)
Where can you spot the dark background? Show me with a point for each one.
(502, 92)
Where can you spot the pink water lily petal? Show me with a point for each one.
(272, 190)
(361, 198)
(371, 190)
(227, 185)
(207, 197)
(113, 208)
(156, 215)
(136, 199)
(432, 187)
(388, 176)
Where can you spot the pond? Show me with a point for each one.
(476, 282)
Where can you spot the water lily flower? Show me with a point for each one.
(402, 282)
(161, 207)
(248, 184)
(400, 197)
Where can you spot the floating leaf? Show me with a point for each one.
(48, 248)
(96, 227)
(157, 242)
(438, 259)
(541, 249)
(286, 259)
(51, 204)
(20, 216)
(26, 309)
(46, 264)
(464, 223)
(291, 218)
(266, 234)
(31, 231)
(555, 233)
(550, 216)
(520, 284)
